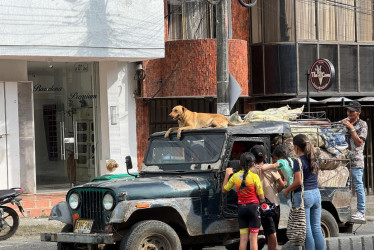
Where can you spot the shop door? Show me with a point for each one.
(64, 108)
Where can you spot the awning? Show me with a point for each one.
(302, 100)
(337, 99)
(366, 99)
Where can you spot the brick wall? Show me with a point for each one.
(189, 69)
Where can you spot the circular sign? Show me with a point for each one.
(322, 74)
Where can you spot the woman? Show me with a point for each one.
(249, 191)
(312, 197)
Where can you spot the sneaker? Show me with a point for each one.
(358, 216)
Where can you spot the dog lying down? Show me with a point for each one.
(193, 120)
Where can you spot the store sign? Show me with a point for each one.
(78, 96)
(40, 88)
(322, 74)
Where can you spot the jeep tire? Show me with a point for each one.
(150, 234)
(328, 224)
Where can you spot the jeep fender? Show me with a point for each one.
(183, 206)
(62, 212)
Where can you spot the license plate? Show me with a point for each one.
(83, 226)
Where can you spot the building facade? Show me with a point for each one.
(272, 47)
(67, 87)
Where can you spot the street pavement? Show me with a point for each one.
(27, 235)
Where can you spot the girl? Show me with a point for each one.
(249, 191)
(312, 197)
(282, 162)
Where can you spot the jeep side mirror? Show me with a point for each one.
(128, 162)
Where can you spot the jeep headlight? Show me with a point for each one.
(74, 201)
(108, 201)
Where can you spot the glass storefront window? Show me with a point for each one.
(348, 68)
(307, 56)
(280, 69)
(64, 103)
(366, 68)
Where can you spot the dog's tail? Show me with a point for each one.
(236, 124)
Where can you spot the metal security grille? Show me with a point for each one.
(92, 208)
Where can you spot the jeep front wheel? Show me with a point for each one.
(151, 234)
(328, 224)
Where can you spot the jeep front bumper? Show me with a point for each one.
(80, 238)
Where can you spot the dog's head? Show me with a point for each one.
(177, 112)
(111, 165)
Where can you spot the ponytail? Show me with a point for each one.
(304, 144)
(247, 160)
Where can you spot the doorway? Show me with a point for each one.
(65, 101)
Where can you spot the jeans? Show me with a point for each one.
(358, 185)
(312, 203)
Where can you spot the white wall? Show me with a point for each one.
(118, 140)
(122, 29)
(13, 70)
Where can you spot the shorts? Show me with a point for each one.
(270, 223)
(249, 217)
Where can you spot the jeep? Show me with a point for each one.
(176, 200)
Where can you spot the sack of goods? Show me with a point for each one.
(331, 149)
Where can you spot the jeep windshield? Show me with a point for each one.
(191, 149)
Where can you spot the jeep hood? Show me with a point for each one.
(154, 187)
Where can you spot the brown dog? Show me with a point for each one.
(192, 120)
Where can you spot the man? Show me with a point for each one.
(272, 184)
(356, 137)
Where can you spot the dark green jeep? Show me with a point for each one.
(176, 201)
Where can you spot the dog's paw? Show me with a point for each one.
(166, 135)
(179, 135)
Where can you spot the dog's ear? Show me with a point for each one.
(182, 108)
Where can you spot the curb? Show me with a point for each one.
(364, 242)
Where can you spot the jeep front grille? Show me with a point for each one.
(92, 208)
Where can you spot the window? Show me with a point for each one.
(280, 69)
(365, 20)
(257, 70)
(279, 20)
(190, 19)
(306, 20)
(307, 56)
(330, 52)
(348, 68)
(336, 20)
(256, 24)
(366, 68)
(192, 148)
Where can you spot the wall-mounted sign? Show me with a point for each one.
(40, 88)
(81, 67)
(322, 74)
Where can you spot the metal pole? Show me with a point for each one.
(222, 59)
(307, 90)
